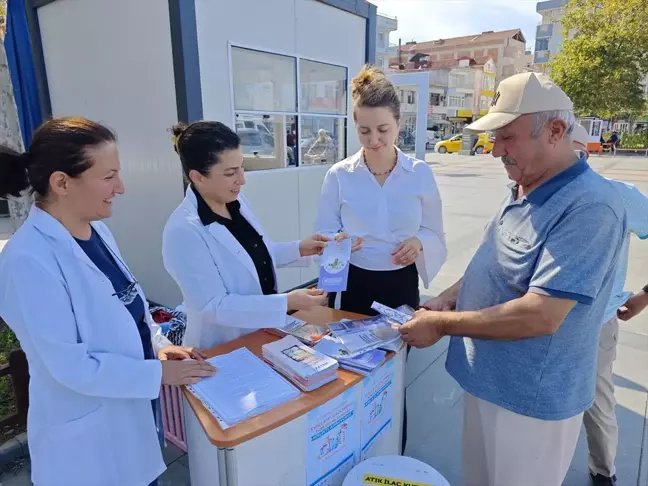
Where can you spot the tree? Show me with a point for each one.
(3, 18)
(604, 58)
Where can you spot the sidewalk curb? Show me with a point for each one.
(14, 449)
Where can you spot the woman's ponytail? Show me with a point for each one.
(13, 172)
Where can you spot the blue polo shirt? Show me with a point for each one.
(636, 207)
(562, 240)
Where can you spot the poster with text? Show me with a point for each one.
(333, 442)
(376, 410)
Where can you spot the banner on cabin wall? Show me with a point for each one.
(376, 411)
(333, 441)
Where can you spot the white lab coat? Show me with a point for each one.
(90, 419)
(218, 278)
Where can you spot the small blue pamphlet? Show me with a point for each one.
(334, 269)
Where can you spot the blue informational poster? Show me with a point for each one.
(377, 408)
(333, 441)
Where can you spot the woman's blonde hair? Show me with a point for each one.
(371, 89)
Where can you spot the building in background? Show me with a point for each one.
(549, 34)
(464, 73)
(507, 49)
(529, 64)
(386, 24)
(438, 98)
(460, 91)
(486, 84)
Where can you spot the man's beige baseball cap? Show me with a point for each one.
(519, 95)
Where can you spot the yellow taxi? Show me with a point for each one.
(484, 145)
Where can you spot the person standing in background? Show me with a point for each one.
(614, 142)
(291, 142)
(600, 420)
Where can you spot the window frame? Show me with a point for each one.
(411, 97)
(541, 42)
(456, 97)
(438, 99)
(298, 113)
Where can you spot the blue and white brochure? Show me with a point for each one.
(334, 268)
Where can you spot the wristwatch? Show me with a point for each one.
(645, 289)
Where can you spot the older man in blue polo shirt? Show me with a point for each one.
(530, 305)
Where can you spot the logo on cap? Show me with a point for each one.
(496, 98)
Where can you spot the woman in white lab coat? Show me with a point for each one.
(217, 252)
(81, 317)
(389, 202)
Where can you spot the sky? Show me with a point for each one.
(424, 20)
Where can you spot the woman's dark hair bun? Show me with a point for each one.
(200, 144)
(178, 130)
(13, 172)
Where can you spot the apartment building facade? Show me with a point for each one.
(507, 49)
(549, 34)
(460, 91)
(464, 72)
(385, 50)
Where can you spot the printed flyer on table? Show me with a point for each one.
(376, 414)
(333, 440)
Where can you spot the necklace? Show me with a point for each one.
(378, 174)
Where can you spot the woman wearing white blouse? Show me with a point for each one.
(385, 199)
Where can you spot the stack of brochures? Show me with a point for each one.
(363, 364)
(401, 314)
(242, 387)
(362, 335)
(305, 367)
(380, 332)
(307, 333)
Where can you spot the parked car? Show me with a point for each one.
(484, 144)
(253, 125)
(256, 142)
(449, 146)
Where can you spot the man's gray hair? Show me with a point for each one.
(541, 119)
